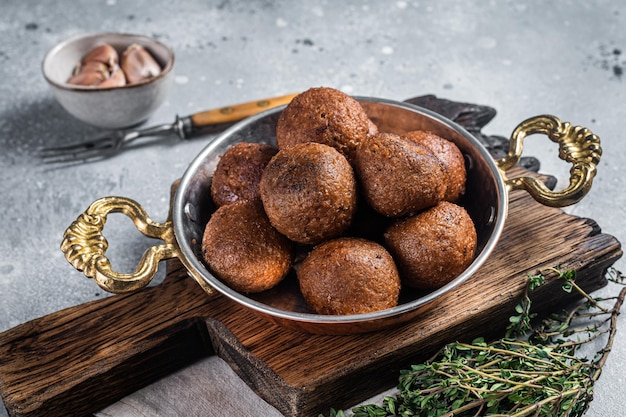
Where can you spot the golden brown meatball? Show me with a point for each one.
(433, 247)
(243, 249)
(309, 192)
(349, 276)
(398, 177)
(238, 172)
(324, 115)
(451, 158)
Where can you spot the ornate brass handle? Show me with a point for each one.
(577, 145)
(84, 245)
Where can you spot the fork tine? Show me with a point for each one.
(104, 146)
(81, 151)
(75, 157)
(82, 155)
(64, 148)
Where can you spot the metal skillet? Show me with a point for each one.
(486, 200)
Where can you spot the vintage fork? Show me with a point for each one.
(184, 127)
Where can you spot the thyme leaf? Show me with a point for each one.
(531, 371)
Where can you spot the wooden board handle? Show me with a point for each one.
(75, 359)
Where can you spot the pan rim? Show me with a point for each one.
(199, 271)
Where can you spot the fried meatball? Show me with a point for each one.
(309, 192)
(238, 172)
(324, 115)
(349, 276)
(451, 158)
(243, 249)
(433, 247)
(398, 177)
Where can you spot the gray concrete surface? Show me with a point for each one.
(522, 57)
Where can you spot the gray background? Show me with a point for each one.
(522, 57)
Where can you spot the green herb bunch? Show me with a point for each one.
(529, 372)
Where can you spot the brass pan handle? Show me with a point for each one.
(84, 245)
(577, 145)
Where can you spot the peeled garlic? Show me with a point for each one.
(138, 64)
(86, 78)
(89, 73)
(104, 53)
(116, 79)
(96, 66)
(91, 66)
(99, 67)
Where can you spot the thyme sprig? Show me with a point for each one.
(531, 371)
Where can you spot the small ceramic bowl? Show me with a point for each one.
(108, 107)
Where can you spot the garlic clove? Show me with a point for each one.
(117, 79)
(104, 53)
(92, 66)
(89, 73)
(138, 64)
(87, 78)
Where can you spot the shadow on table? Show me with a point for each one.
(30, 126)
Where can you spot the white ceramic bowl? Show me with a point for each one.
(108, 107)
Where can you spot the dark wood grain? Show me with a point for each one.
(78, 360)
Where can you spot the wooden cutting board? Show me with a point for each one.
(84, 358)
(79, 360)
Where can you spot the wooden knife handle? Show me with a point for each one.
(236, 112)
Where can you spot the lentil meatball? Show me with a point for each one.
(324, 115)
(451, 158)
(309, 192)
(433, 247)
(349, 276)
(243, 249)
(238, 172)
(398, 177)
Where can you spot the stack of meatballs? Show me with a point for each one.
(356, 212)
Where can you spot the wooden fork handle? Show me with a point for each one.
(236, 112)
